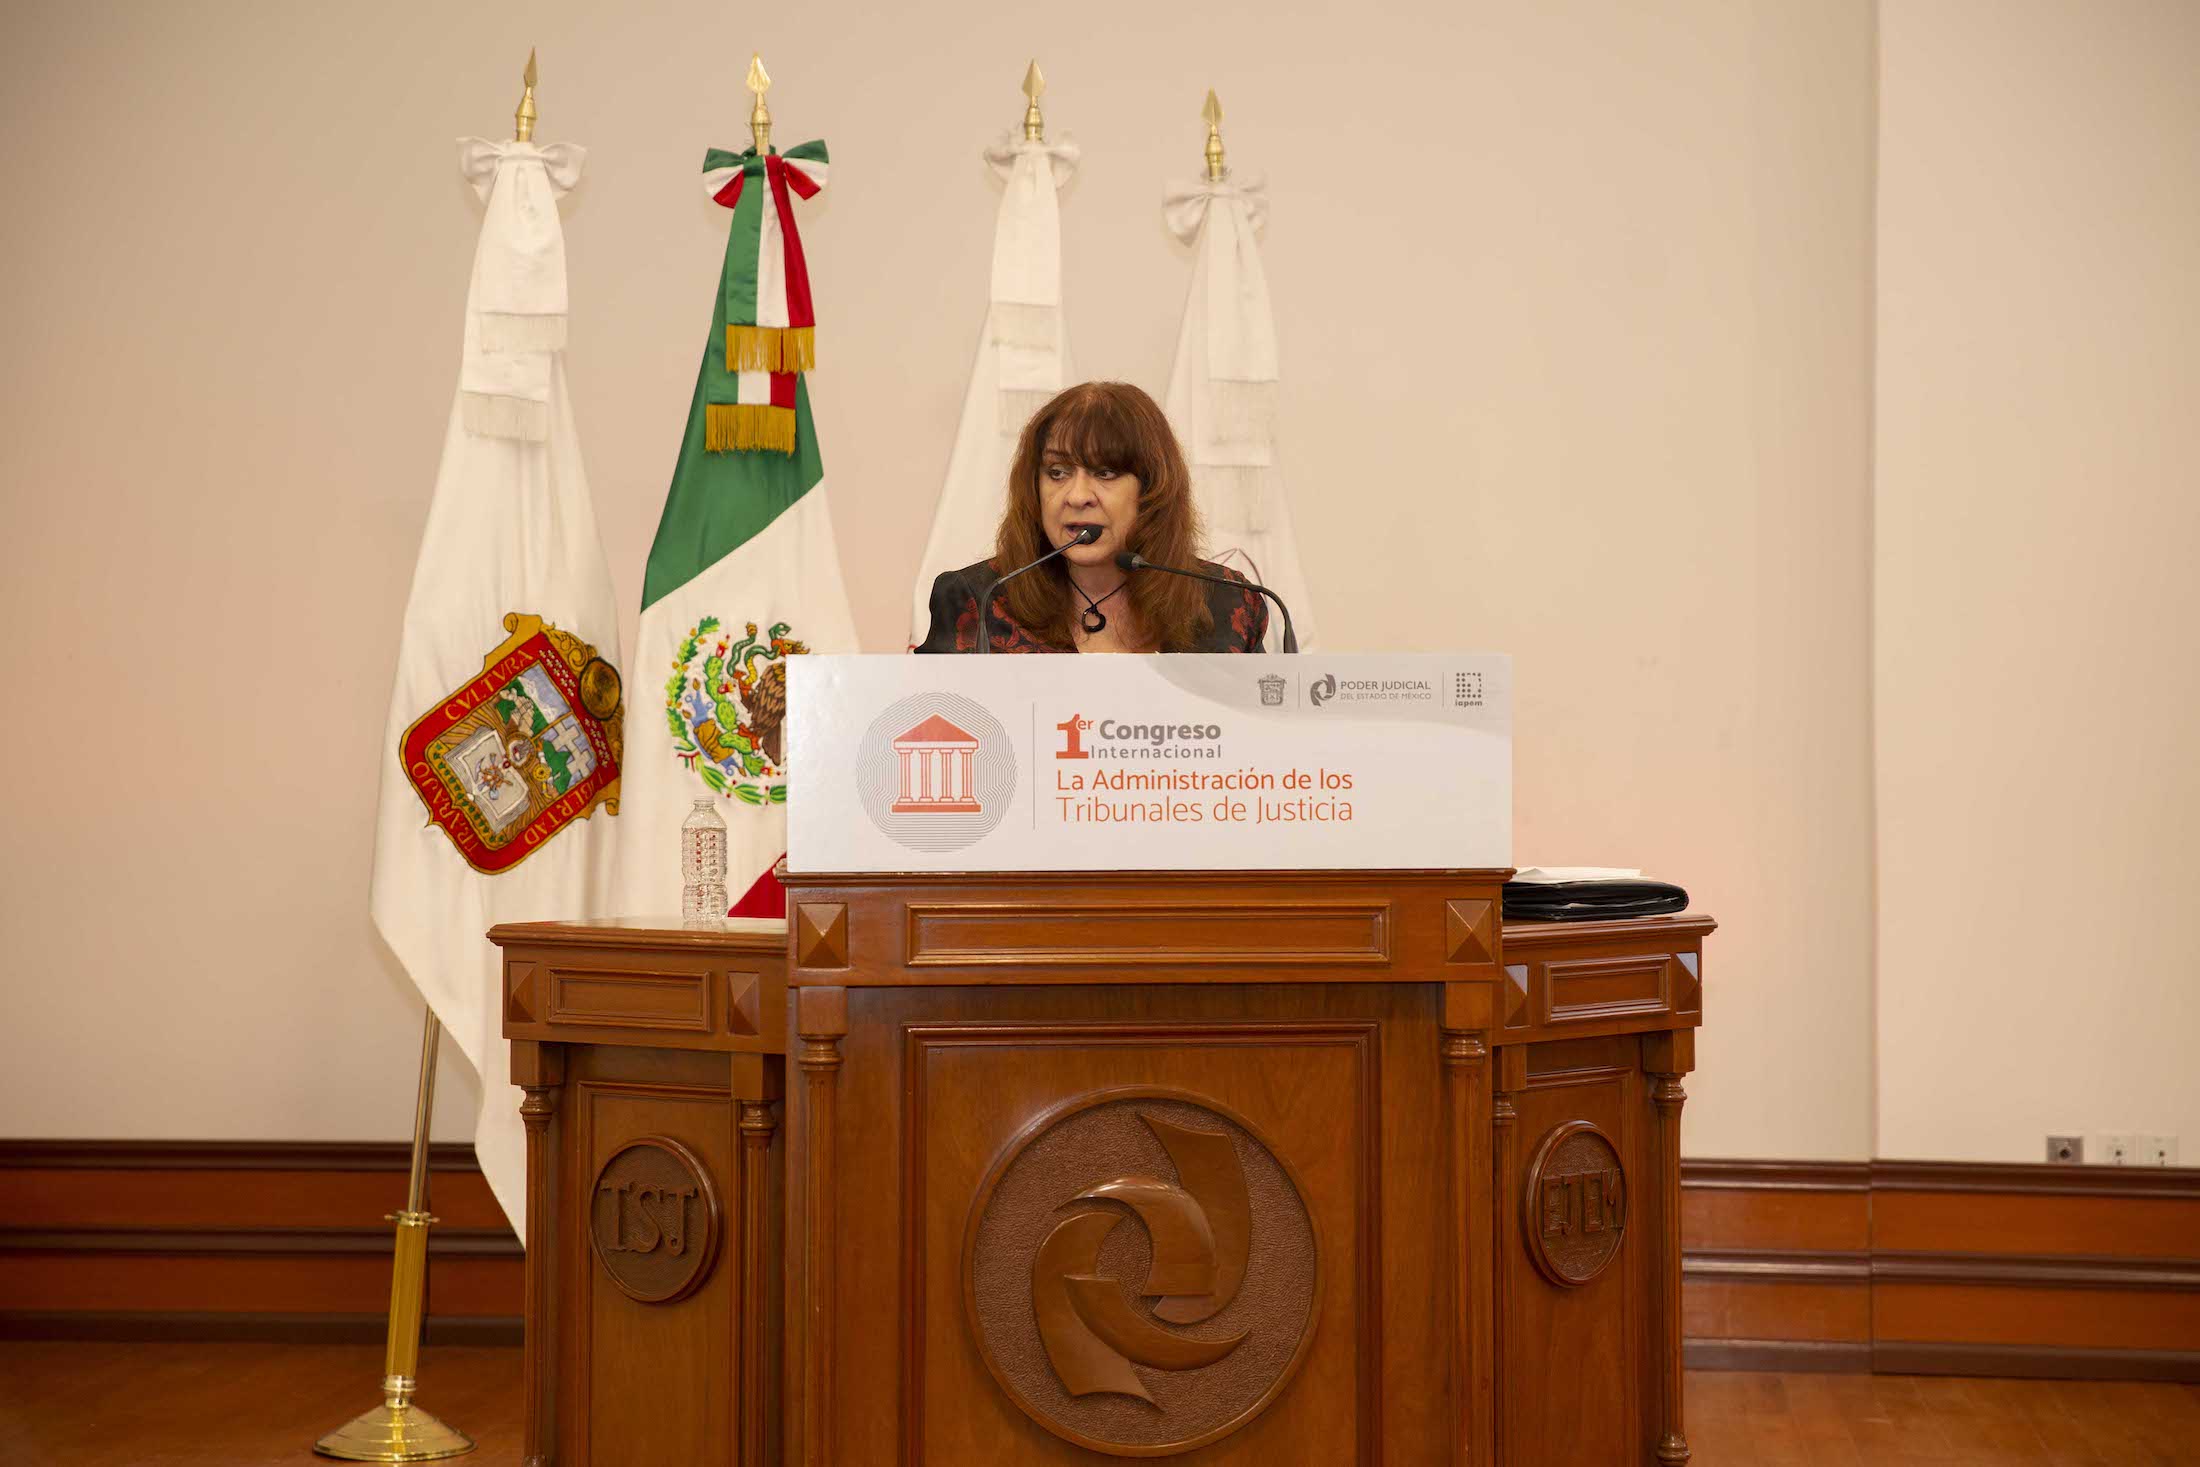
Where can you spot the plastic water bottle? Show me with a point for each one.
(703, 900)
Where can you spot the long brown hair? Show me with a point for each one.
(1105, 425)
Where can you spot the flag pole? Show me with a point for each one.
(397, 1430)
(1211, 114)
(760, 116)
(1035, 84)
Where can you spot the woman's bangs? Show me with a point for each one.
(1096, 433)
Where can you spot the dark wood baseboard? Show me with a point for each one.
(200, 1242)
(1789, 1356)
(274, 1241)
(1901, 1267)
(232, 1156)
(1942, 1268)
(264, 1328)
(1901, 1358)
(2038, 1361)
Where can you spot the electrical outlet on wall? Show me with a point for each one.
(2068, 1150)
(2157, 1151)
(2115, 1148)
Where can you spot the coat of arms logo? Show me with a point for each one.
(726, 704)
(520, 752)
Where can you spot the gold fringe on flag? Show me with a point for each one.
(770, 348)
(747, 427)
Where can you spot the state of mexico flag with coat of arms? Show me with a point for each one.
(744, 572)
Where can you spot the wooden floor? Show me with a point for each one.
(84, 1405)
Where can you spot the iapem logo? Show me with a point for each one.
(935, 772)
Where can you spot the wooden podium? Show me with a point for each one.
(1269, 1168)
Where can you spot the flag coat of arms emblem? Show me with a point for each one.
(503, 747)
(510, 758)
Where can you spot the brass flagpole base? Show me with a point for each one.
(395, 1431)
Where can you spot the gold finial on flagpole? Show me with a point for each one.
(1035, 126)
(523, 120)
(1212, 113)
(760, 117)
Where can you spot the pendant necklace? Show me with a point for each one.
(1092, 618)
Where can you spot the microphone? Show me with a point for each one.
(1084, 536)
(1131, 560)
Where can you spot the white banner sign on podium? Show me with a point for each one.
(1213, 762)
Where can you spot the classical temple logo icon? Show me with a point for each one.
(936, 761)
(935, 771)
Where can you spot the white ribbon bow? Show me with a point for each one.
(1024, 318)
(1227, 416)
(1184, 203)
(516, 304)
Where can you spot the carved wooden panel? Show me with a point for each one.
(1013, 1132)
(1184, 1274)
(1587, 978)
(630, 999)
(962, 934)
(630, 984)
(1585, 1345)
(1589, 989)
(1157, 927)
(645, 1380)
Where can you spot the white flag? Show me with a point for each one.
(1023, 360)
(1223, 390)
(504, 734)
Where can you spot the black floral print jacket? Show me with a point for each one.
(1240, 615)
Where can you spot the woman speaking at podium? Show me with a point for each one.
(1097, 475)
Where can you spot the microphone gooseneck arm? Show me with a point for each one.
(1084, 536)
(1131, 560)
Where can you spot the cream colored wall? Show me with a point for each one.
(1575, 307)
(2038, 615)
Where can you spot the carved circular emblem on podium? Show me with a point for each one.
(1576, 1204)
(653, 1220)
(1141, 1272)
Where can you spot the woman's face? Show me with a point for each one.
(1072, 496)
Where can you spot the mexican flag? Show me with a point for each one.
(501, 758)
(744, 572)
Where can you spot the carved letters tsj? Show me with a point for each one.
(653, 1219)
(646, 1216)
